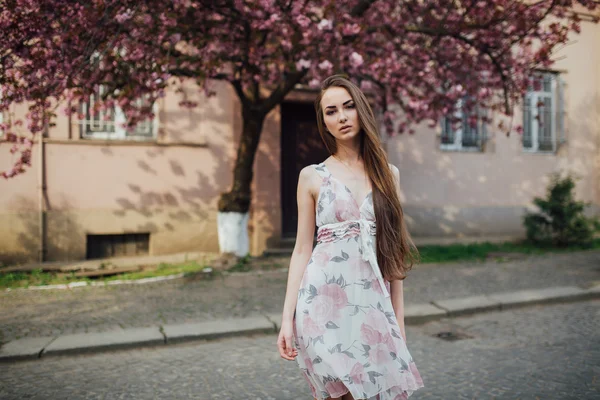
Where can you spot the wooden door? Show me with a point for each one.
(301, 145)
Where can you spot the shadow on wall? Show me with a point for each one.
(487, 193)
(267, 180)
(26, 245)
(63, 234)
(583, 156)
(180, 185)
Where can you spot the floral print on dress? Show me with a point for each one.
(345, 329)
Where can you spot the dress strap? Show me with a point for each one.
(322, 170)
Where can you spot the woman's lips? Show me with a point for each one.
(345, 128)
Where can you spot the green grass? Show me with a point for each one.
(243, 265)
(35, 278)
(429, 254)
(39, 278)
(479, 251)
(163, 269)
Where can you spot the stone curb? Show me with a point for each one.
(33, 348)
(217, 329)
(99, 341)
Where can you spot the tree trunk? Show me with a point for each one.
(238, 198)
(232, 218)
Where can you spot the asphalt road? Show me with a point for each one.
(544, 352)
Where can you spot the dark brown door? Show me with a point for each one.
(301, 145)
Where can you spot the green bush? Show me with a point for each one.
(561, 221)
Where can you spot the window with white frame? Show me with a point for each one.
(110, 124)
(543, 111)
(468, 133)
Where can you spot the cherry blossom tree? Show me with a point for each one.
(420, 56)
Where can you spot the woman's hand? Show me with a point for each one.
(284, 342)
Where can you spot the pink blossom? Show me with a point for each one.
(123, 17)
(48, 71)
(325, 24)
(175, 38)
(352, 29)
(303, 21)
(303, 64)
(366, 85)
(325, 65)
(356, 60)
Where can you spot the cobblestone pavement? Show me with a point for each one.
(544, 352)
(33, 313)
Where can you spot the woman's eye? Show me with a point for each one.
(330, 112)
(350, 105)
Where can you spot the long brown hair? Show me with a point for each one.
(396, 251)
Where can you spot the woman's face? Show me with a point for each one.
(339, 113)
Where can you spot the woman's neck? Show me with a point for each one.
(348, 155)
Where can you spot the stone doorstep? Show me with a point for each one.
(80, 342)
(217, 329)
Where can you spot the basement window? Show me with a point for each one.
(117, 245)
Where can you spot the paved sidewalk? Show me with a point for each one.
(32, 348)
(445, 288)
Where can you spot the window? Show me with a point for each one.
(543, 113)
(110, 124)
(117, 245)
(468, 134)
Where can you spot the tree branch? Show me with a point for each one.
(282, 89)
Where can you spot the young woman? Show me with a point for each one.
(344, 306)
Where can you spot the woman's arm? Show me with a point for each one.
(396, 287)
(397, 296)
(300, 256)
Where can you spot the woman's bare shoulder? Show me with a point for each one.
(309, 179)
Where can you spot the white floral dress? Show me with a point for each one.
(345, 329)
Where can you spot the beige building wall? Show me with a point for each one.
(168, 187)
(460, 193)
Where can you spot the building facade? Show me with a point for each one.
(95, 190)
